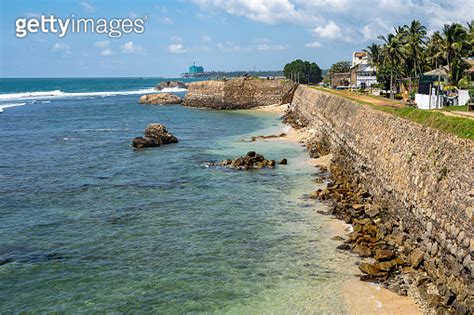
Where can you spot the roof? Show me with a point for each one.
(443, 71)
(360, 54)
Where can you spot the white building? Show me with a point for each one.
(362, 74)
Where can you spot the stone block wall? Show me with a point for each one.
(239, 93)
(422, 177)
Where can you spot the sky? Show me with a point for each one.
(221, 35)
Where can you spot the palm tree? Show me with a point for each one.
(455, 44)
(374, 53)
(434, 52)
(415, 42)
(393, 55)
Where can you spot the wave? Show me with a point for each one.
(3, 106)
(61, 94)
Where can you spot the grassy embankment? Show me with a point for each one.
(461, 127)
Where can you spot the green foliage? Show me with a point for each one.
(340, 67)
(408, 52)
(304, 71)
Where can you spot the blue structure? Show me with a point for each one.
(195, 70)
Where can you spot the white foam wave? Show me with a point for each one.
(3, 106)
(60, 94)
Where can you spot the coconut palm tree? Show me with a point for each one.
(393, 55)
(374, 53)
(415, 38)
(434, 51)
(454, 46)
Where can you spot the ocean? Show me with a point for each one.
(89, 224)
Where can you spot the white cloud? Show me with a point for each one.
(102, 44)
(106, 52)
(329, 31)
(87, 6)
(265, 44)
(130, 48)
(229, 47)
(64, 49)
(314, 44)
(177, 48)
(267, 11)
(206, 39)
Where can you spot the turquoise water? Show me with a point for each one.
(90, 225)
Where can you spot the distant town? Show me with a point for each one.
(195, 71)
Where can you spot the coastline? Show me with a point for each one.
(360, 297)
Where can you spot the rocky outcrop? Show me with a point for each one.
(419, 200)
(251, 160)
(161, 99)
(155, 136)
(239, 93)
(171, 85)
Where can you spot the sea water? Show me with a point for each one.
(88, 224)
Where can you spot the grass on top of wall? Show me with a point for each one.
(461, 127)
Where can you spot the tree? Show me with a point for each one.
(455, 45)
(340, 67)
(303, 71)
(393, 56)
(415, 37)
(374, 54)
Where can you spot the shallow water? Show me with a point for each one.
(89, 224)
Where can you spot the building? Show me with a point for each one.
(340, 80)
(362, 75)
(195, 70)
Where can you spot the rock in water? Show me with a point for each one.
(171, 84)
(284, 161)
(162, 99)
(155, 135)
(251, 160)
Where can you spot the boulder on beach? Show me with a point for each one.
(171, 85)
(162, 99)
(155, 136)
(251, 160)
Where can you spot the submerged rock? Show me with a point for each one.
(155, 135)
(251, 160)
(162, 99)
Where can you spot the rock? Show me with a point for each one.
(143, 142)
(162, 99)
(384, 254)
(362, 250)
(386, 265)
(373, 211)
(337, 238)
(155, 136)
(416, 257)
(283, 162)
(251, 160)
(344, 247)
(171, 84)
(369, 269)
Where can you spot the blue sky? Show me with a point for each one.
(217, 34)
